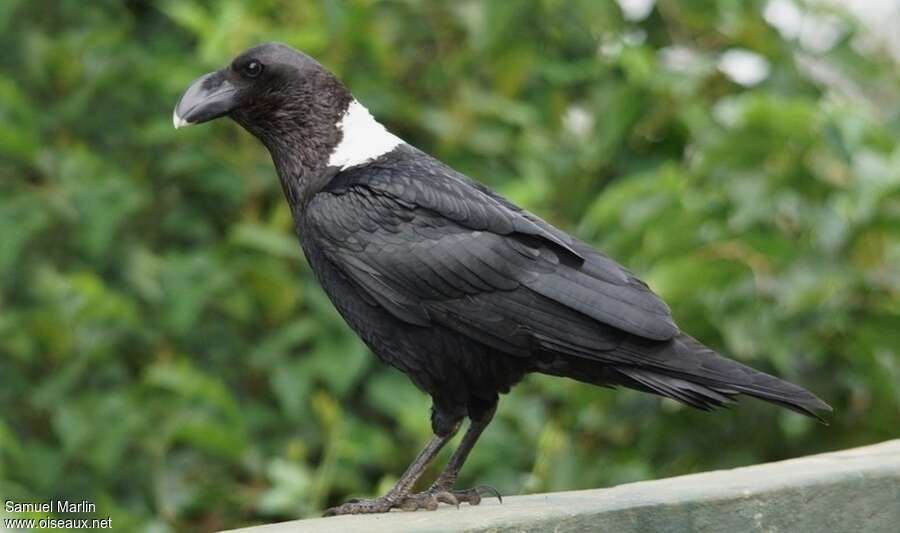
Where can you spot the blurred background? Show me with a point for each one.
(166, 354)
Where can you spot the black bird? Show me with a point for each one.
(449, 282)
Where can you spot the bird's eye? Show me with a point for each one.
(253, 69)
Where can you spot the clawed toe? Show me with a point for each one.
(423, 500)
(455, 497)
(447, 497)
(473, 496)
(359, 506)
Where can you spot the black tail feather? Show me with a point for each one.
(693, 374)
(684, 370)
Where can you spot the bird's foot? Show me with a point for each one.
(428, 500)
(367, 506)
(432, 497)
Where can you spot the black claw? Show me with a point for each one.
(488, 491)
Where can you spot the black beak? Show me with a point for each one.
(209, 97)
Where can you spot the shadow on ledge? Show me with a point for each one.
(854, 490)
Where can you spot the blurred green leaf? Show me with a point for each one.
(167, 353)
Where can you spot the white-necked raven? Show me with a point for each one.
(447, 281)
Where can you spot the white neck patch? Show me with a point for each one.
(364, 139)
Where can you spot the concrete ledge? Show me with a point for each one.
(854, 490)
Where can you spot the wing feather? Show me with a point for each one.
(432, 249)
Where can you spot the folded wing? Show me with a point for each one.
(446, 250)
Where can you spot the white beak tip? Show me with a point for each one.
(179, 122)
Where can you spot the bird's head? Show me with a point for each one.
(276, 93)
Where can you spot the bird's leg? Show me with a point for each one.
(399, 493)
(442, 490)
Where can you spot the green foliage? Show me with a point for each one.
(166, 353)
